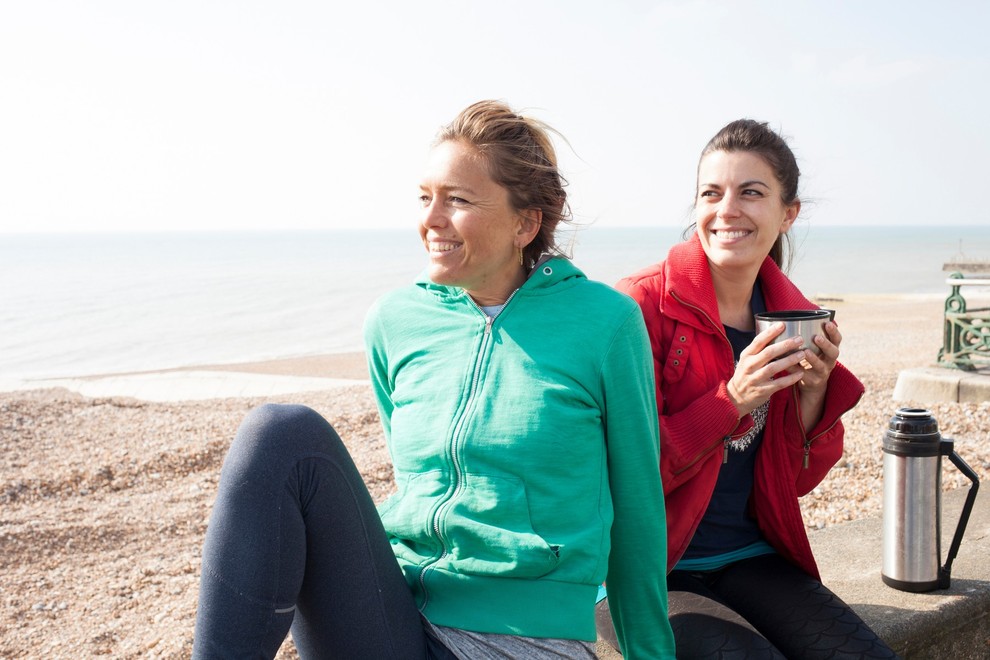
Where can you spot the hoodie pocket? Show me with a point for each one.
(491, 533)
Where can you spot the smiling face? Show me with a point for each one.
(468, 226)
(739, 211)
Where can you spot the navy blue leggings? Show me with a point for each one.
(295, 540)
(765, 607)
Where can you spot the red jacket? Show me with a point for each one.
(693, 362)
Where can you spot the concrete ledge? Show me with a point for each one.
(930, 384)
(954, 623)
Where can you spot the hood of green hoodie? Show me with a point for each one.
(549, 274)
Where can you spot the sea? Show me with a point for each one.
(104, 303)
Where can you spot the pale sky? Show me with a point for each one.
(189, 115)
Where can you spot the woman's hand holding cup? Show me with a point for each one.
(766, 367)
(816, 373)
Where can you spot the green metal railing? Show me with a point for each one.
(966, 340)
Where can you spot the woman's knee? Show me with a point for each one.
(272, 434)
(277, 418)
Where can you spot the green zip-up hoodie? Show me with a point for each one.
(525, 451)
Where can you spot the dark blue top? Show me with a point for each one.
(727, 525)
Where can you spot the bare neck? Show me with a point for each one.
(733, 292)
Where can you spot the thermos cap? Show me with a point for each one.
(912, 431)
(913, 421)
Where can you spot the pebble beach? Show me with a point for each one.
(106, 500)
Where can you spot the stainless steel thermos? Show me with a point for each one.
(912, 500)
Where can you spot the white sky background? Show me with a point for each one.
(201, 114)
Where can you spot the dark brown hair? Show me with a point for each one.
(748, 135)
(520, 157)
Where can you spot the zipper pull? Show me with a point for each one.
(488, 324)
(807, 450)
(725, 449)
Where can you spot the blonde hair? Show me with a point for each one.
(520, 157)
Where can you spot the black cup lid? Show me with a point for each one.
(794, 314)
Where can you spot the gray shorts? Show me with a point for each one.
(468, 645)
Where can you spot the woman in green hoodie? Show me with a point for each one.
(517, 400)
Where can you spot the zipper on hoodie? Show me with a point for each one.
(455, 442)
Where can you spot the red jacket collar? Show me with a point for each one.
(688, 278)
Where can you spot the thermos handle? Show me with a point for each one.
(946, 448)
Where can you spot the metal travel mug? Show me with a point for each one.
(912, 499)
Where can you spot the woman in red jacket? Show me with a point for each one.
(746, 428)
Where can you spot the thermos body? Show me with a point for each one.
(912, 502)
(911, 525)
